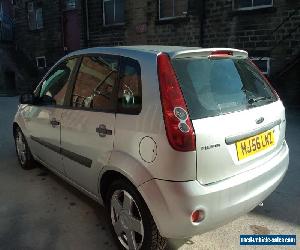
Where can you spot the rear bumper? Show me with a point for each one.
(171, 203)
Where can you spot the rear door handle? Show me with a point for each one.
(103, 131)
(54, 123)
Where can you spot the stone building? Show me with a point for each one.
(268, 29)
(7, 77)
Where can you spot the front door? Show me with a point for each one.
(43, 120)
(87, 130)
(71, 26)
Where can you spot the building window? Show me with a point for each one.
(252, 4)
(35, 16)
(113, 12)
(69, 4)
(41, 62)
(263, 63)
(169, 9)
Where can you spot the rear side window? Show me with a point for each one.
(95, 83)
(130, 89)
(213, 87)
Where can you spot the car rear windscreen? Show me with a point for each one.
(214, 87)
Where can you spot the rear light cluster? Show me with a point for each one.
(179, 127)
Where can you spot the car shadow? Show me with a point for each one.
(99, 210)
(283, 204)
(96, 209)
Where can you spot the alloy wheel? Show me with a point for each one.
(21, 148)
(126, 219)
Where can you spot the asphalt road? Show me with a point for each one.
(40, 211)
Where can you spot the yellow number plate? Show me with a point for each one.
(254, 144)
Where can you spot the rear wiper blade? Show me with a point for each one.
(258, 99)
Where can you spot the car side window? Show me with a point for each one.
(95, 83)
(130, 90)
(54, 87)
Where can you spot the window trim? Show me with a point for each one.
(67, 8)
(41, 25)
(114, 23)
(38, 58)
(253, 59)
(171, 17)
(68, 98)
(34, 6)
(252, 7)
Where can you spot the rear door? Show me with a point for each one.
(87, 128)
(238, 120)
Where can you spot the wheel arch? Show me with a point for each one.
(122, 166)
(15, 126)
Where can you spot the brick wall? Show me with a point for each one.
(142, 26)
(252, 30)
(44, 42)
(186, 32)
(222, 27)
(100, 35)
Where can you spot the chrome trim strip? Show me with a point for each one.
(234, 138)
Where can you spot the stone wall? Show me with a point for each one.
(185, 31)
(210, 23)
(99, 35)
(142, 26)
(253, 30)
(43, 42)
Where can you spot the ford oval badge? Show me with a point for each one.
(260, 120)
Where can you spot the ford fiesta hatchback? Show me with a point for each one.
(173, 141)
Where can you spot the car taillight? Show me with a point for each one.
(221, 54)
(179, 127)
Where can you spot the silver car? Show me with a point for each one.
(173, 141)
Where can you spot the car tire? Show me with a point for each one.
(135, 223)
(23, 152)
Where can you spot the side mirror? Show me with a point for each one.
(27, 98)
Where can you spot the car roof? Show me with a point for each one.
(152, 49)
(173, 51)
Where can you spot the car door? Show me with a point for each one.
(43, 119)
(87, 128)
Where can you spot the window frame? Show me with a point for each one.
(70, 90)
(252, 7)
(69, 8)
(37, 26)
(267, 59)
(103, 15)
(68, 95)
(37, 62)
(171, 17)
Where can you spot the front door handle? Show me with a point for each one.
(54, 123)
(103, 131)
